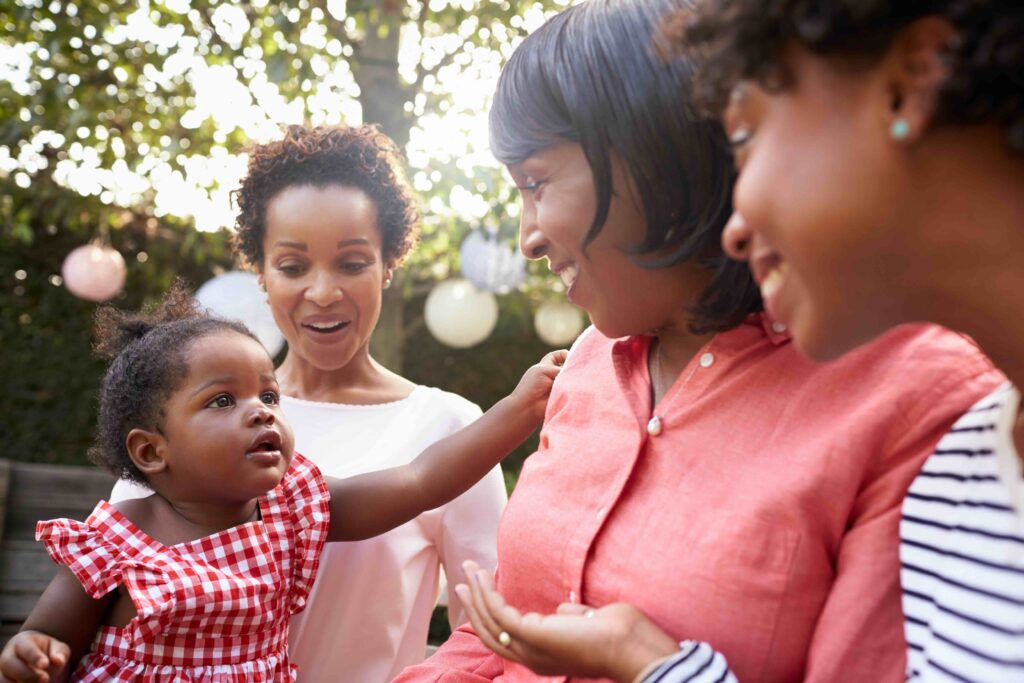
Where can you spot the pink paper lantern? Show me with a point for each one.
(94, 273)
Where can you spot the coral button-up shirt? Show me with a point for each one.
(762, 518)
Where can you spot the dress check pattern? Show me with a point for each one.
(213, 609)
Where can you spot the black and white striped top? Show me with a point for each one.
(962, 552)
(695, 663)
(962, 556)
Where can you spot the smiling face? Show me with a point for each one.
(223, 435)
(558, 204)
(824, 214)
(324, 272)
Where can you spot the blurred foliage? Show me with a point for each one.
(88, 96)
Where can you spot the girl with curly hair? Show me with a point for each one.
(198, 581)
(325, 217)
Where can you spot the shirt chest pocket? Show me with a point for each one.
(727, 580)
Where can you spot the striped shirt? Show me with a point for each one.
(962, 552)
(962, 560)
(695, 663)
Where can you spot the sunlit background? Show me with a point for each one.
(241, 96)
(123, 130)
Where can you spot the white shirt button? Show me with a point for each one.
(601, 510)
(707, 360)
(654, 426)
(779, 327)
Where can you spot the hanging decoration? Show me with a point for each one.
(490, 264)
(94, 272)
(558, 323)
(460, 315)
(236, 295)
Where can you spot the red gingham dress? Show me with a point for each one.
(213, 610)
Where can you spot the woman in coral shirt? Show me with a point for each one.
(692, 462)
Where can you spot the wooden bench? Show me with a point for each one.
(30, 492)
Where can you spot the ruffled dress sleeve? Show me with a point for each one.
(94, 559)
(308, 500)
(106, 551)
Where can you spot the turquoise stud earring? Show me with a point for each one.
(900, 129)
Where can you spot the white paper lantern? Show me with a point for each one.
(94, 273)
(236, 295)
(558, 323)
(460, 315)
(490, 264)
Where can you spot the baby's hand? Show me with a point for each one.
(535, 386)
(32, 657)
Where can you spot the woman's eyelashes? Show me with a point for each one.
(739, 140)
(355, 266)
(290, 269)
(350, 266)
(531, 185)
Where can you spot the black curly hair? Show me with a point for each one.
(737, 40)
(147, 353)
(360, 157)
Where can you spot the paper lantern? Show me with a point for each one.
(558, 323)
(460, 315)
(236, 295)
(94, 273)
(491, 265)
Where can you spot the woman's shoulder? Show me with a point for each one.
(923, 351)
(588, 347)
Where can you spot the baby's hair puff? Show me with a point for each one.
(147, 351)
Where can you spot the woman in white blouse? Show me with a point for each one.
(325, 216)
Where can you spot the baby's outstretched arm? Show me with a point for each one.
(56, 634)
(370, 504)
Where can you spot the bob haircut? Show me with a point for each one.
(596, 75)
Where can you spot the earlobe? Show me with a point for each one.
(388, 273)
(146, 450)
(918, 69)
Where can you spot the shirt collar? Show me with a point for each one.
(636, 346)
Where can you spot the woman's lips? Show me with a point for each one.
(325, 328)
(568, 273)
(773, 279)
(326, 332)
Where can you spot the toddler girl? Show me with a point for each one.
(198, 581)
